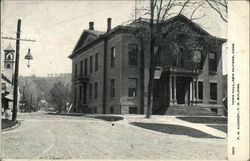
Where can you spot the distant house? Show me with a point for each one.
(110, 69)
(6, 92)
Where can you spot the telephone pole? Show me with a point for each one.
(14, 113)
(15, 94)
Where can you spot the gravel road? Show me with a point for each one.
(43, 136)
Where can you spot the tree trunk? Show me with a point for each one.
(150, 93)
(151, 66)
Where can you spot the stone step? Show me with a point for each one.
(189, 110)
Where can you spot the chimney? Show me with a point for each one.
(91, 25)
(108, 24)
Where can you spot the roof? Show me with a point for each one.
(99, 35)
(5, 78)
(95, 32)
(9, 48)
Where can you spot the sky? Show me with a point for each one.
(57, 25)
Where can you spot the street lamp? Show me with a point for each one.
(28, 57)
(14, 114)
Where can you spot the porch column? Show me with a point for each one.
(192, 90)
(170, 89)
(196, 90)
(174, 90)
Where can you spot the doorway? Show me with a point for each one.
(182, 90)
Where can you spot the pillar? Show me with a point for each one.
(174, 100)
(196, 90)
(170, 89)
(192, 90)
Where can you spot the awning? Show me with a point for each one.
(9, 97)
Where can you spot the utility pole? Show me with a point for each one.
(14, 113)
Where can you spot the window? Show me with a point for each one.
(111, 109)
(90, 91)
(84, 92)
(8, 66)
(132, 110)
(195, 89)
(95, 109)
(201, 62)
(96, 62)
(182, 54)
(96, 89)
(75, 70)
(112, 57)
(200, 90)
(81, 67)
(9, 57)
(90, 64)
(86, 66)
(80, 95)
(212, 62)
(132, 87)
(75, 95)
(112, 88)
(213, 91)
(132, 54)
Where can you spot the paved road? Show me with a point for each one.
(42, 136)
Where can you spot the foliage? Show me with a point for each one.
(38, 88)
(60, 95)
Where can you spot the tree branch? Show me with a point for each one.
(198, 17)
(196, 9)
(211, 5)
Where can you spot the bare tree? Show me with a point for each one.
(160, 11)
(220, 6)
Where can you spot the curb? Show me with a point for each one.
(11, 128)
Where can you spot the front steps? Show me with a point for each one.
(185, 110)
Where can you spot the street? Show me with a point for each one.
(44, 136)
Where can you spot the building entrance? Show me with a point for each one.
(183, 90)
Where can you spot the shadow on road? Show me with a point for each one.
(8, 124)
(64, 114)
(174, 129)
(109, 118)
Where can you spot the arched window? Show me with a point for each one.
(8, 66)
(9, 56)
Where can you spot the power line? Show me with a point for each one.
(73, 18)
(11, 38)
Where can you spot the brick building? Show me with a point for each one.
(110, 69)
